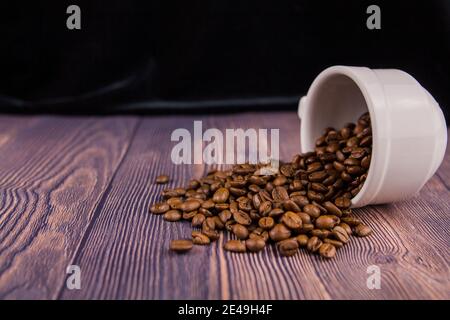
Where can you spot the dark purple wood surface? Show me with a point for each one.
(76, 191)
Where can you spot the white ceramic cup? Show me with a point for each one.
(409, 130)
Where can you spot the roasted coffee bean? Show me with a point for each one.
(315, 196)
(198, 220)
(237, 192)
(255, 244)
(327, 222)
(332, 208)
(225, 215)
(320, 233)
(319, 187)
(307, 227)
(265, 207)
(327, 250)
(266, 223)
(317, 176)
(175, 202)
(313, 244)
(340, 234)
(279, 232)
(291, 220)
(313, 167)
(361, 230)
(351, 221)
(280, 194)
(301, 201)
(240, 231)
(208, 204)
(312, 210)
(342, 203)
(199, 238)
(181, 245)
(287, 170)
(190, 205)
(259, 233)
(306, 218)
(162, 179)
(189, 215)
(279, 181)
(336, 243)
(242, 218)
(290, 205)
(235, 246)
(346, 227)
(276, 213)
(172, 215)
(302, 240)
(160, 208)
(288, 247)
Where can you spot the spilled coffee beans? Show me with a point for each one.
(306, 204)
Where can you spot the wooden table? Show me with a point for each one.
(76, 191)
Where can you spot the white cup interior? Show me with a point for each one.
(337, 100)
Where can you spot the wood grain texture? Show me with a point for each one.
(125, 254)
(53, 174)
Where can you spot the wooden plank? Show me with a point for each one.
(54, 171)
(126, 255)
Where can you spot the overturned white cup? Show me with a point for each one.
(408, 127)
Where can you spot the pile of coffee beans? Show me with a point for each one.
(306, 204)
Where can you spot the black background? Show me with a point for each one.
(147, 55)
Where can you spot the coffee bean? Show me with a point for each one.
(255, 244)
(306, 218)
(162, 179)
(288, 247)
(198, 220)
(208, 204)
(351, 221)
(240, 231)
(266, 223)
(317, 176)
(313, 244)
(189, 215)
(346, 227)
(160, 208)
(181, 245)
(312, 210)
(340, 234)
(301, 201)
(332, 208)
(342, 203)
(242, 218)
(280, 194)
(336, 243)
(307, 227)
(302, 240)
(265, 208)
(361, 230)
(235, 246)
(279, 232)
(190, 205)
(327, 250)
(225, 215)
(172, 215)
(259, 233)
(326, 222)
(320, 233)
(199, 238)
(291, 220)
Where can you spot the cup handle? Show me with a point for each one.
(302, 107)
